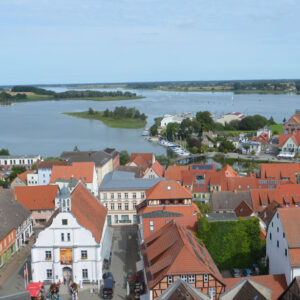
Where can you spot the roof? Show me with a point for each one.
(181, 290)
(260, 198)
(174, 172)
(168, 189)
(100, 158)
(23, 176)
(50, 164)
(38, 197)
(241, 183)
(83, 171)
(142, 160)
(267, 214)
(280, 170)
(293, 286)
(12, 213)
(229, 200)
(92, 214)
(161, 218)
(120, 180)
(174, 250)
(136, 170)
(291, 225)
(158, 169)
(263, 138)
(276, 283)
(283, 138)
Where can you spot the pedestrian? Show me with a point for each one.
(64, 280)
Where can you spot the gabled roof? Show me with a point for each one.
(168, 189)
(50, 164)
(12, 212)
(38, 197)
(261, 198)
(294, 286)
(181, 290)
(158, 169)
(23, 176)
(174, 250)
(229, 200)
(267, 214)
(283, 138)
(280, 170)
(142, 160)
(291, 225)
(263, 138)
(88, 211)
(83, 171)
(174, 172)
(242, 183)
(136, 170)
(276, 283)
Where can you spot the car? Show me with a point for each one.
(236, 273)
(108, 287)
(247, 272)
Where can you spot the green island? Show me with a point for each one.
(121, 117)
(31, 93)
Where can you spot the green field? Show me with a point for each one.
(277, 127)
(110, 122)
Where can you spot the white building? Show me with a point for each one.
(121, 192)
(290, 143)
(44, 170)
(230, 117)
(283, 243)
(32, 179)
(266, 130)
(8, 161)
(247, 147)
(75, 242)
(171, 119)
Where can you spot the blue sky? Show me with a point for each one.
(74, 41)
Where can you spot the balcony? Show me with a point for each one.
(124, 221)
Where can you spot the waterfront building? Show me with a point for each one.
(293, 124)
(8, 161)
(75, 242)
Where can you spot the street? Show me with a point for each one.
(123, 264)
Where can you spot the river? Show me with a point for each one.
(41, 128)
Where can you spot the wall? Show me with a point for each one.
(40, 214)
(44, 175)
(5, 247)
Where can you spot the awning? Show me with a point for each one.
(139, 265)
(107, 243)
(34, 288)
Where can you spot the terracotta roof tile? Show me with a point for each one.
(280, 170)
(174, 172)
(37, 197)
(168, 189)
(276, 283)
(23, 176)
(88, 211)
(50, 164)
(158, 169)
(174, 250)
(83, 171)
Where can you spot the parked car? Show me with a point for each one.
(236, 273)
(247, 272)
(108, 287)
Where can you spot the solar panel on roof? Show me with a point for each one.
(202, 167)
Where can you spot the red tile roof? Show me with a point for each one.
(50, 164)
(174, 172)
(83, 171)
(174, 250)
(280, 170)
(189, 222)
(261, 198)
(158, 169)
(37, 197)
(263, 138)
(168, 189)
(23, 176)
(142, 160)
(88, 211)
(276, 283)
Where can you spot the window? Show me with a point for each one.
(270, 236)
(277, 215)
(151, 225)
(62, 236)
(69, 236)
(205, 278)
(272, 224)
(283, 235)
(277, 229)
(167, 221)
(170, 279)
(142, 195)
(240, 186)
(191, 278)
(104, 196)
(48, 255)
(112, 196)
(134, 205)
(119, 206)
(126, 195)
(183, 277)
(248, 186)
(49, 273)
(119, 195)
(84, 254)
(277, 244)
(112, 206)
(285, 252)
(126, 206)
(212, 292)
(134, 195)
(64, 221)
(85, 274)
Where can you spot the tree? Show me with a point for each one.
(194, 142)
(4, 152)
(236, 86)
(15, 171)
(172, 130)
(226, 146)
(153, 130)
(271, 121)
(91, 111)
(205, 120)
(284, 120)
(76, 148)
(124, 157)
(163, 160)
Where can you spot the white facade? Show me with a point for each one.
(171, 119)
(266, 130)
(290, 147)
(230, 117)
(19, 160)
(23, 233)
(253, 146)
(32, 179)
(150, 174)
(66, 233)
(44, 175)
(121, 205)
(278, 251)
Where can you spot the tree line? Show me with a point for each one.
(6, 98)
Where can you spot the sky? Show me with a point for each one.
(89, 41)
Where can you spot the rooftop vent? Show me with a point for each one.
(169, 188)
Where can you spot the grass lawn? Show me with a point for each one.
(110, 122)
(277, 127)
